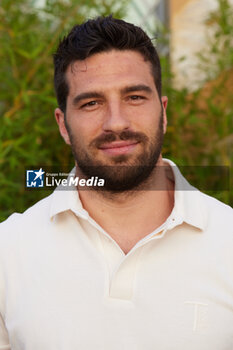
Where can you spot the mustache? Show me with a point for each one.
(123, 136)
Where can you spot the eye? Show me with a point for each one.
(136, 97)
(89, 104)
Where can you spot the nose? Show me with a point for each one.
(116, 119)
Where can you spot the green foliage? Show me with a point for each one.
(28, 133)
(200, 131)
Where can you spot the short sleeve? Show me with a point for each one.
(4, 340)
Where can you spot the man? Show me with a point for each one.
(144, 263)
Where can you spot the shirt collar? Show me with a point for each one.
(188, 201)
(188, 204)
(64, 199)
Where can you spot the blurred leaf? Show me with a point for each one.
(28, 134)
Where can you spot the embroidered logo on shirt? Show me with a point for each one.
(200, 315)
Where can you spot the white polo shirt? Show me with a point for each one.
(66, 284)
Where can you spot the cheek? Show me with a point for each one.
(147, 121)
(84, 133)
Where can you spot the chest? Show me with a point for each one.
(159, 297)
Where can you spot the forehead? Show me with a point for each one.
(109, 69)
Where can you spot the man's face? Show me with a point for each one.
(114, 119)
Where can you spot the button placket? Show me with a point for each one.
(122, 281)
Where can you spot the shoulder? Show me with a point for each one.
(216, 211)
(26, 222)
(218, 228)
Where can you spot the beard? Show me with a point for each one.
(125, 173)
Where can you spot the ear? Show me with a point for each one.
(164, 100)
(60, 118)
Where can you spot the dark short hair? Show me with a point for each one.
(100, 35)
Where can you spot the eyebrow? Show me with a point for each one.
(140, 87)
(86, 95)
(95, 94)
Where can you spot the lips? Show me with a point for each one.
(118, 147)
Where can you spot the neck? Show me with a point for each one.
(128, 217)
